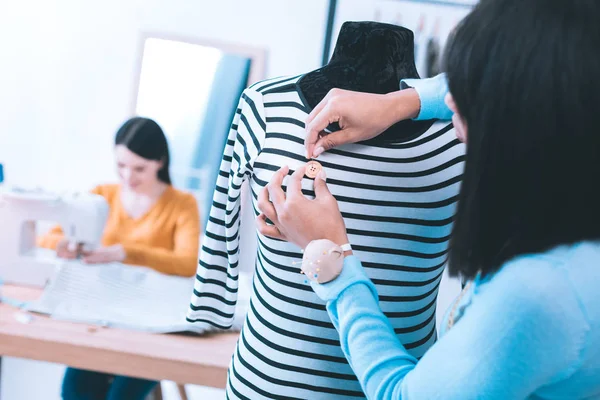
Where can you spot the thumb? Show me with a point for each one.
(331, 140)
(321, 189)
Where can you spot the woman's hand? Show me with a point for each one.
(63, 250)
(296, 218)
(115, 253)
(361, 116)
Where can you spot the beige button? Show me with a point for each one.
(313, 168)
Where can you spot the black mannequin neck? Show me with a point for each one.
(369, 57)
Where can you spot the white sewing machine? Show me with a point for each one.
(81, 216)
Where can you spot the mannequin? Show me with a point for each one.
(397, 197)
(369, 57)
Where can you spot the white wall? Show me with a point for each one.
(67, 70)
(67, 75)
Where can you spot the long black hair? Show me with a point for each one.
(524, 76)
(145, 138)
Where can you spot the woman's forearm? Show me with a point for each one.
(368, 340)
(404, 104)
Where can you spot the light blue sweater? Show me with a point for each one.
(531, 331)
(432, 93)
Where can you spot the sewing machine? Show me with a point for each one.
(81, 216)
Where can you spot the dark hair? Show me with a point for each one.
(145, 138)
(524, 76)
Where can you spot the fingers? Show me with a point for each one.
(94, 259)
(66, 255)
(265, 206)
(321, 121)
(332, 140)
(274, 187)
(317, 110)
(294, 185)
(266, 229)
(321, 189)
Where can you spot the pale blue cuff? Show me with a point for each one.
(432, 93)
(353, 273)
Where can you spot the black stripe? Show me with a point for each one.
(232, 388)
(290, 104)
(294, 351)
(363, 171)
(398, 220)
(271, 250)
(228, 239)
(414, 313)
(215, 252)
(216, 221)
(221, 190)
(214, 296)
(289, 88)
(395, 160)
(219, 268)
(211, 310)
(216, 282)
(411, 329)
(416, 143)
(406, 299)
(285, 136)
(220, 206)
(206, 321)
(409, 283)
(257, 116)
(286, 299)
(414, 345)
(286, 120)
(241, 140)
(399, 236)
(286, 268)
(252, 136)
(404, 268)
(276, 81)
(301, 370)
(301, 320)
(396, 189)
(398, 204)
(289, 384)
(288, 283)
(381, 282)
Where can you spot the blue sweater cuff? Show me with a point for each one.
(353, 273)
(432, 93)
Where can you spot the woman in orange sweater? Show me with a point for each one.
(150, 223)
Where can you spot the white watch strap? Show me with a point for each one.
(346, 247)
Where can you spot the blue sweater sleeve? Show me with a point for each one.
(514, 338)
(432, 93)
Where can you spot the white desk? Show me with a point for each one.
(184, 359)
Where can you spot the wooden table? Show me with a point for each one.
(184, 359)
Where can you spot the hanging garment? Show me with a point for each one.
(398, 202)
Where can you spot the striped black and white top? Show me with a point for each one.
(398, 203)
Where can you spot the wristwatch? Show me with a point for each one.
(323, 260)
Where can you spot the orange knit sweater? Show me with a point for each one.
(166, 238)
